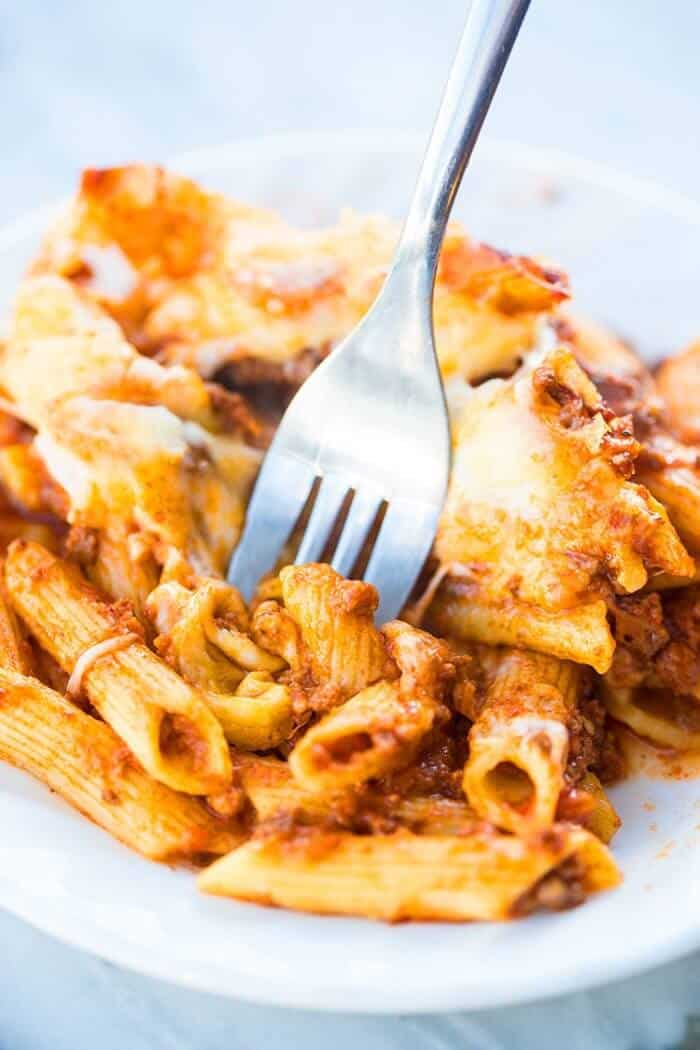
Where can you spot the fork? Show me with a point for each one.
(364, 446)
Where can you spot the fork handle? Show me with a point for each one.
(489, 34)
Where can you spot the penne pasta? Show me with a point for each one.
(581, 634)
(405, 876)
(257, 715)
(325, 631)
(369, 735)
(602, 820)
(15, 654)
(666, 719)
(336, 621)
(519, 743)
(130, 445)
(269, 784)
(162, 719)
(124, 567)
(86, 763)
(381, 728)
(55, 320)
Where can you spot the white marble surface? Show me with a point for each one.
(88, 83)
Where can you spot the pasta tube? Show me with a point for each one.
(580, 634)
(366, 737)
(380, 728)
(85, 762)
(14, 651)
(667, 719)
(257, 715)
(345, 651)
(603, 820)
(124, 567)
(405, 876)
(518, 746)
(270, 786)
(162, 719)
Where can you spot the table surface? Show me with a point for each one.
(92, 84)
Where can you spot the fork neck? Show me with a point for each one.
(488, 37)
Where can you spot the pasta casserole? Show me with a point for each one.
(449, 765)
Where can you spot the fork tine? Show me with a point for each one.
(403, 544)
(282, 488)
(329, 501)
(363, 511)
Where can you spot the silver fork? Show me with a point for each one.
(369, 427)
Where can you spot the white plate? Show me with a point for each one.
(632, 250)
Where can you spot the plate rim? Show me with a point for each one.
(234, 982)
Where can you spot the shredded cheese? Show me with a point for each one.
(87, 659)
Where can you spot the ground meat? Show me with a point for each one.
(678, 667)
(81, 544)
(180, 740)
(254, 371)
(560, 889)
(235, 415)
(268, 386)
(296, 829)
(640, 633)
(639, 623)
(658, 641)
(586, 730)
(609, 766)
(573, 412)
(439, 768)
(682, 616)
(619, 444)
(229, 803)
(621, 393)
